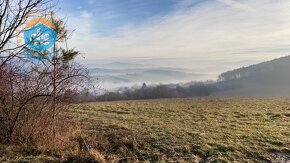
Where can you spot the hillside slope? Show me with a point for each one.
(267, 79)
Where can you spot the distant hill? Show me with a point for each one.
(267, 79)
(142, 75)
(122, 74)
(123, 65)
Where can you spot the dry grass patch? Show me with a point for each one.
(189, 129)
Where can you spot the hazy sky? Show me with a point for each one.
(220, 31)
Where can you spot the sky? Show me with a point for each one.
(214, 32)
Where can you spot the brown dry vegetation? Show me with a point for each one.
(190, 130)
(175, 130)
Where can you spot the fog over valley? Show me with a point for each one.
(111, 74)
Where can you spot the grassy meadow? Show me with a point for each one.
(189, 130)
(177, 130)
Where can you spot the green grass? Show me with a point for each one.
(191, 130)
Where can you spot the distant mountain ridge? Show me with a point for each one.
(118, 74)
(122, 65)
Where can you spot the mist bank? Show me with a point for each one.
(269, 79)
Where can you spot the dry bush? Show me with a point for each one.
(34, 94)
(97, 155)
(118, 144)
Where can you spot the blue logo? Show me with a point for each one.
(40, 37)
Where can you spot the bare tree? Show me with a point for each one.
(19, 90)
(33, 93)
(30, 95)
(13, 15)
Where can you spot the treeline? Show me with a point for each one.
(195, 89)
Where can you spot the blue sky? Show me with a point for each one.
(218, 31)
(109, 15)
